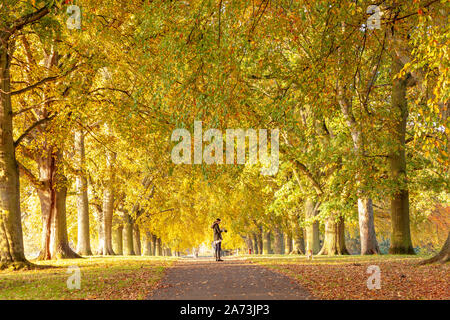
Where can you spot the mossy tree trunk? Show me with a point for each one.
(11, 237)
(400, 224)
(334, 241)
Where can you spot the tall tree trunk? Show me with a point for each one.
(259, 236)
(369, 243)
(267, 243)
(443, 255)
(288, 245)
(84, 242)
(299, 241)
(147, 244)
(11, 237)
(255, 243)
(52, 196)
(128, 242)
(278, 241)
(159, 249)
(154, 243)
(118, 240)
(400, 226)
(108, 205)
(312, 229)
(137, 240)
(334, 241)
(100, 230)
(249, 243)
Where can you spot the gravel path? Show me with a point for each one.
(232, 279)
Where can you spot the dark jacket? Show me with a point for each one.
(217, 231)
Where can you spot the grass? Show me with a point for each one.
(346, 277)
(124, 278)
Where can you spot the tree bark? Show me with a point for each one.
(108, 205)
(154, 243)
(312, 229)
(136, 240)
(255, 243)
(128, 249)
(334, 241)
(267, 243)
(11, 237)
(147, 244)
(369, 243)
(443, 256)
(84, 242)
(52, 196)
(299, 241)
(278, 241)
(400, 225)
(159, 251)
(288, 243)
(259, 236)
(118, 240)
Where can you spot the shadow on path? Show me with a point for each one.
(232, 279)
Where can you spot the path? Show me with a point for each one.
(232, 279)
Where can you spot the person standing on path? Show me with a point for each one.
(217, 238)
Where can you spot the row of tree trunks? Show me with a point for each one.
(84, 242)
(11, 238)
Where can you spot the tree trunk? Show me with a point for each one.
(369, 243)
(128, 249)
(159, 251)
(147, 244)
(84, 243)
(118, 240)
(299, 241)
(288, 245)
(11, 237)
(249, 243)
(100, 230)
(334, 241)
(260, 240)
(267, 244)
(136, 240)
(443, 256)
(154, 243)
(312, 229)
(108, 205)
(400, 226)
(52, 196)
(255, 243)
(278, 241)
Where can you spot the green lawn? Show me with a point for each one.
(124, 277)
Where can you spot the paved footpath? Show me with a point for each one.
(232, 279)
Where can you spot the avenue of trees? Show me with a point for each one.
(86, 117)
